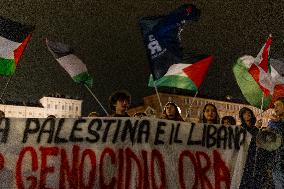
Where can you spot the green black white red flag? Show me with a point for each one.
(14, 38)
(187, 75)
(71, 63)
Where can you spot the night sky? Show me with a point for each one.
(106, 36)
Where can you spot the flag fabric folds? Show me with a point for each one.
(71, 63)
(14, 38)
(261, 71)
(161, 36)
(188, 75)
(277, 76)
(249, 86)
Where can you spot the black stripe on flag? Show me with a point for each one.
(58, 49)
(14, 31)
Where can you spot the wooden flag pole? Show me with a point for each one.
(158, 97)
(96, 98)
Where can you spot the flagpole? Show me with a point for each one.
(193, 99)
(256, 150)
(158, 96)
(3, 91)
(262, 99)
(96, 98)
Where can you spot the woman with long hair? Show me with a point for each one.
(171, 112)
(210, 114)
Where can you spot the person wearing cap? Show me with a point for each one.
(171, 112)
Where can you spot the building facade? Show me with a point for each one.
(59, 107)
(191, 108)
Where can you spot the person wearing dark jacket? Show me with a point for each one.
(257, 171)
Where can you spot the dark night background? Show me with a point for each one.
(106, 36)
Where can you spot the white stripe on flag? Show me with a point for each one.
(7, 48)
(276, 77)
(265, 80)
(177, 69)
(72, 64)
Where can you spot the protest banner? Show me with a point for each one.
(120, 153)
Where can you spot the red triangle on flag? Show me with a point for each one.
(19, 51)
(197, 71)
(264, 62)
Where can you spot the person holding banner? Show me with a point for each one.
(119, 103)
(210, 114)
(257, 172)
(171, 112)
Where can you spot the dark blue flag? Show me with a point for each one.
(162, 38)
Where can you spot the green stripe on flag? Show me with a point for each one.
(176, 81)
(83, 78)
(248, 86)
(7, 67)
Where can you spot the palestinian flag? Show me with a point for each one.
(71, 63)
(14, 38)
(162, 41)
(188, 75)
(250, 88)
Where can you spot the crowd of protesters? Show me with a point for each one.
(264, 167)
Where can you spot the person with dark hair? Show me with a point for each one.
(171, 112)
(228, 120)
(210, 114)
(248, 119)
(119, 103)
(140, 114)
(2, 114)
(256, 171)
